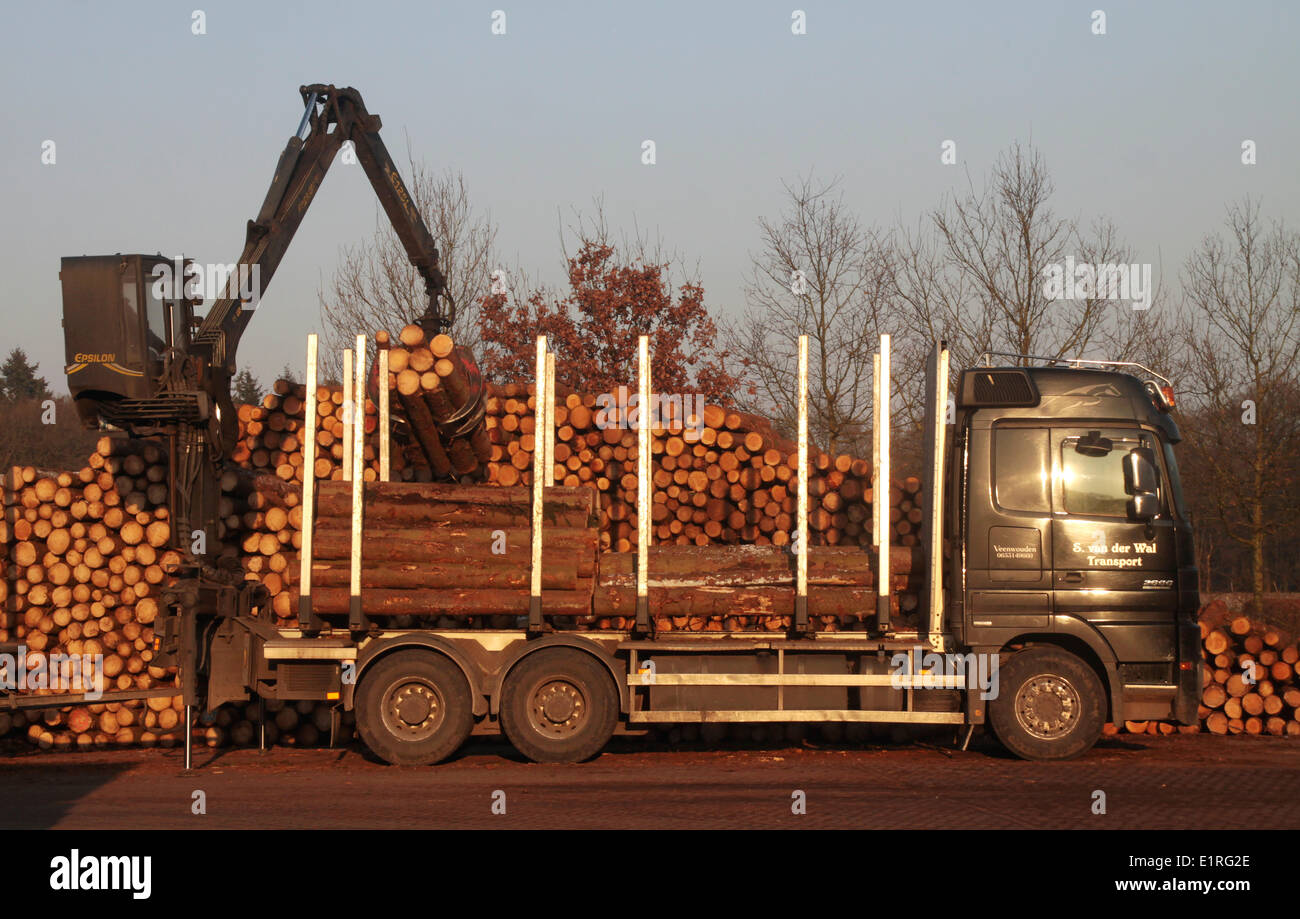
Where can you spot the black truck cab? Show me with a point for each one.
(1068, 516)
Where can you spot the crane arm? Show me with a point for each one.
(332, 117)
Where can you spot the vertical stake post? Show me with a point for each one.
(356, 616)
(347, 414)
(644, 433)
(801, 518)
(385, 448)
(306, 618)
(539, 460)
(880, 488)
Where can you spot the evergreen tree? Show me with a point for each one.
(247, 390)
(18, 379)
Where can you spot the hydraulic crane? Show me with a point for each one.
(139, 360)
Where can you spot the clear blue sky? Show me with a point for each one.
(166, 140)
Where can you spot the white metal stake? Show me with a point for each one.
(881, 488)
(308, 487)
(643, 496)
(801, 585)
(347, 414)
(539, 414)
(935, 498)
(875, 447)
(385, 449)
(356, 620)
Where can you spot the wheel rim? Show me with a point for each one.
(557, 708)
(413, 709)
(1048, 706)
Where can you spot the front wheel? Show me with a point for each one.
(559, 705)
(414, 708)
(1050, 705)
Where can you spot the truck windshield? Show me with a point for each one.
(156, 316)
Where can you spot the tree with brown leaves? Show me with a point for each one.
(594, 327)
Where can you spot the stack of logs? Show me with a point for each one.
(86, 558)
(752, 588)
(439, 392)
(720, 478)
(270, 435)
(445, 555)
(158, 722)
(1249, 683)
(1249, 676)
(437, 402)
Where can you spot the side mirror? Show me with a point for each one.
(1140, 472)
(1143, 506)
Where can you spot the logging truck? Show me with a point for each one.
(1054, 578)
(1057, 590)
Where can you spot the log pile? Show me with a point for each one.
(439, 392)
(270, 435)
(86, 557)
(261, 528)
(159, 722)
(720, 477)
(446, 555)
(437, 398)
(156, 721)
(1248, 678)
(455, 556)
(443, 555)
(752, 588)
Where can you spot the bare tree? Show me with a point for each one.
(45, 433)
(818, 272)
(376, 287)
(975, 273)
(1243, 296)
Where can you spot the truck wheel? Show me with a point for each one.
(559, 706)
(414, 708)
(1050, 705)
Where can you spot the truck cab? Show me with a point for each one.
(1070, 534)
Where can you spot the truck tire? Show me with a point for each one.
(559, 705)
(1050, 705)
(414, 708)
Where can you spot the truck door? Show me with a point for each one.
(1114, 554)
(1009, 562)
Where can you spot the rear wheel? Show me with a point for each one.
(414, 708)
(559, 705)
(1050, 705)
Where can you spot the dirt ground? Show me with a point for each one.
(1177, 782)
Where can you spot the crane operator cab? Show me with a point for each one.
(126, 332)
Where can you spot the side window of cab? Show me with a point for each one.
(1093, 479)
(1022, 470)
